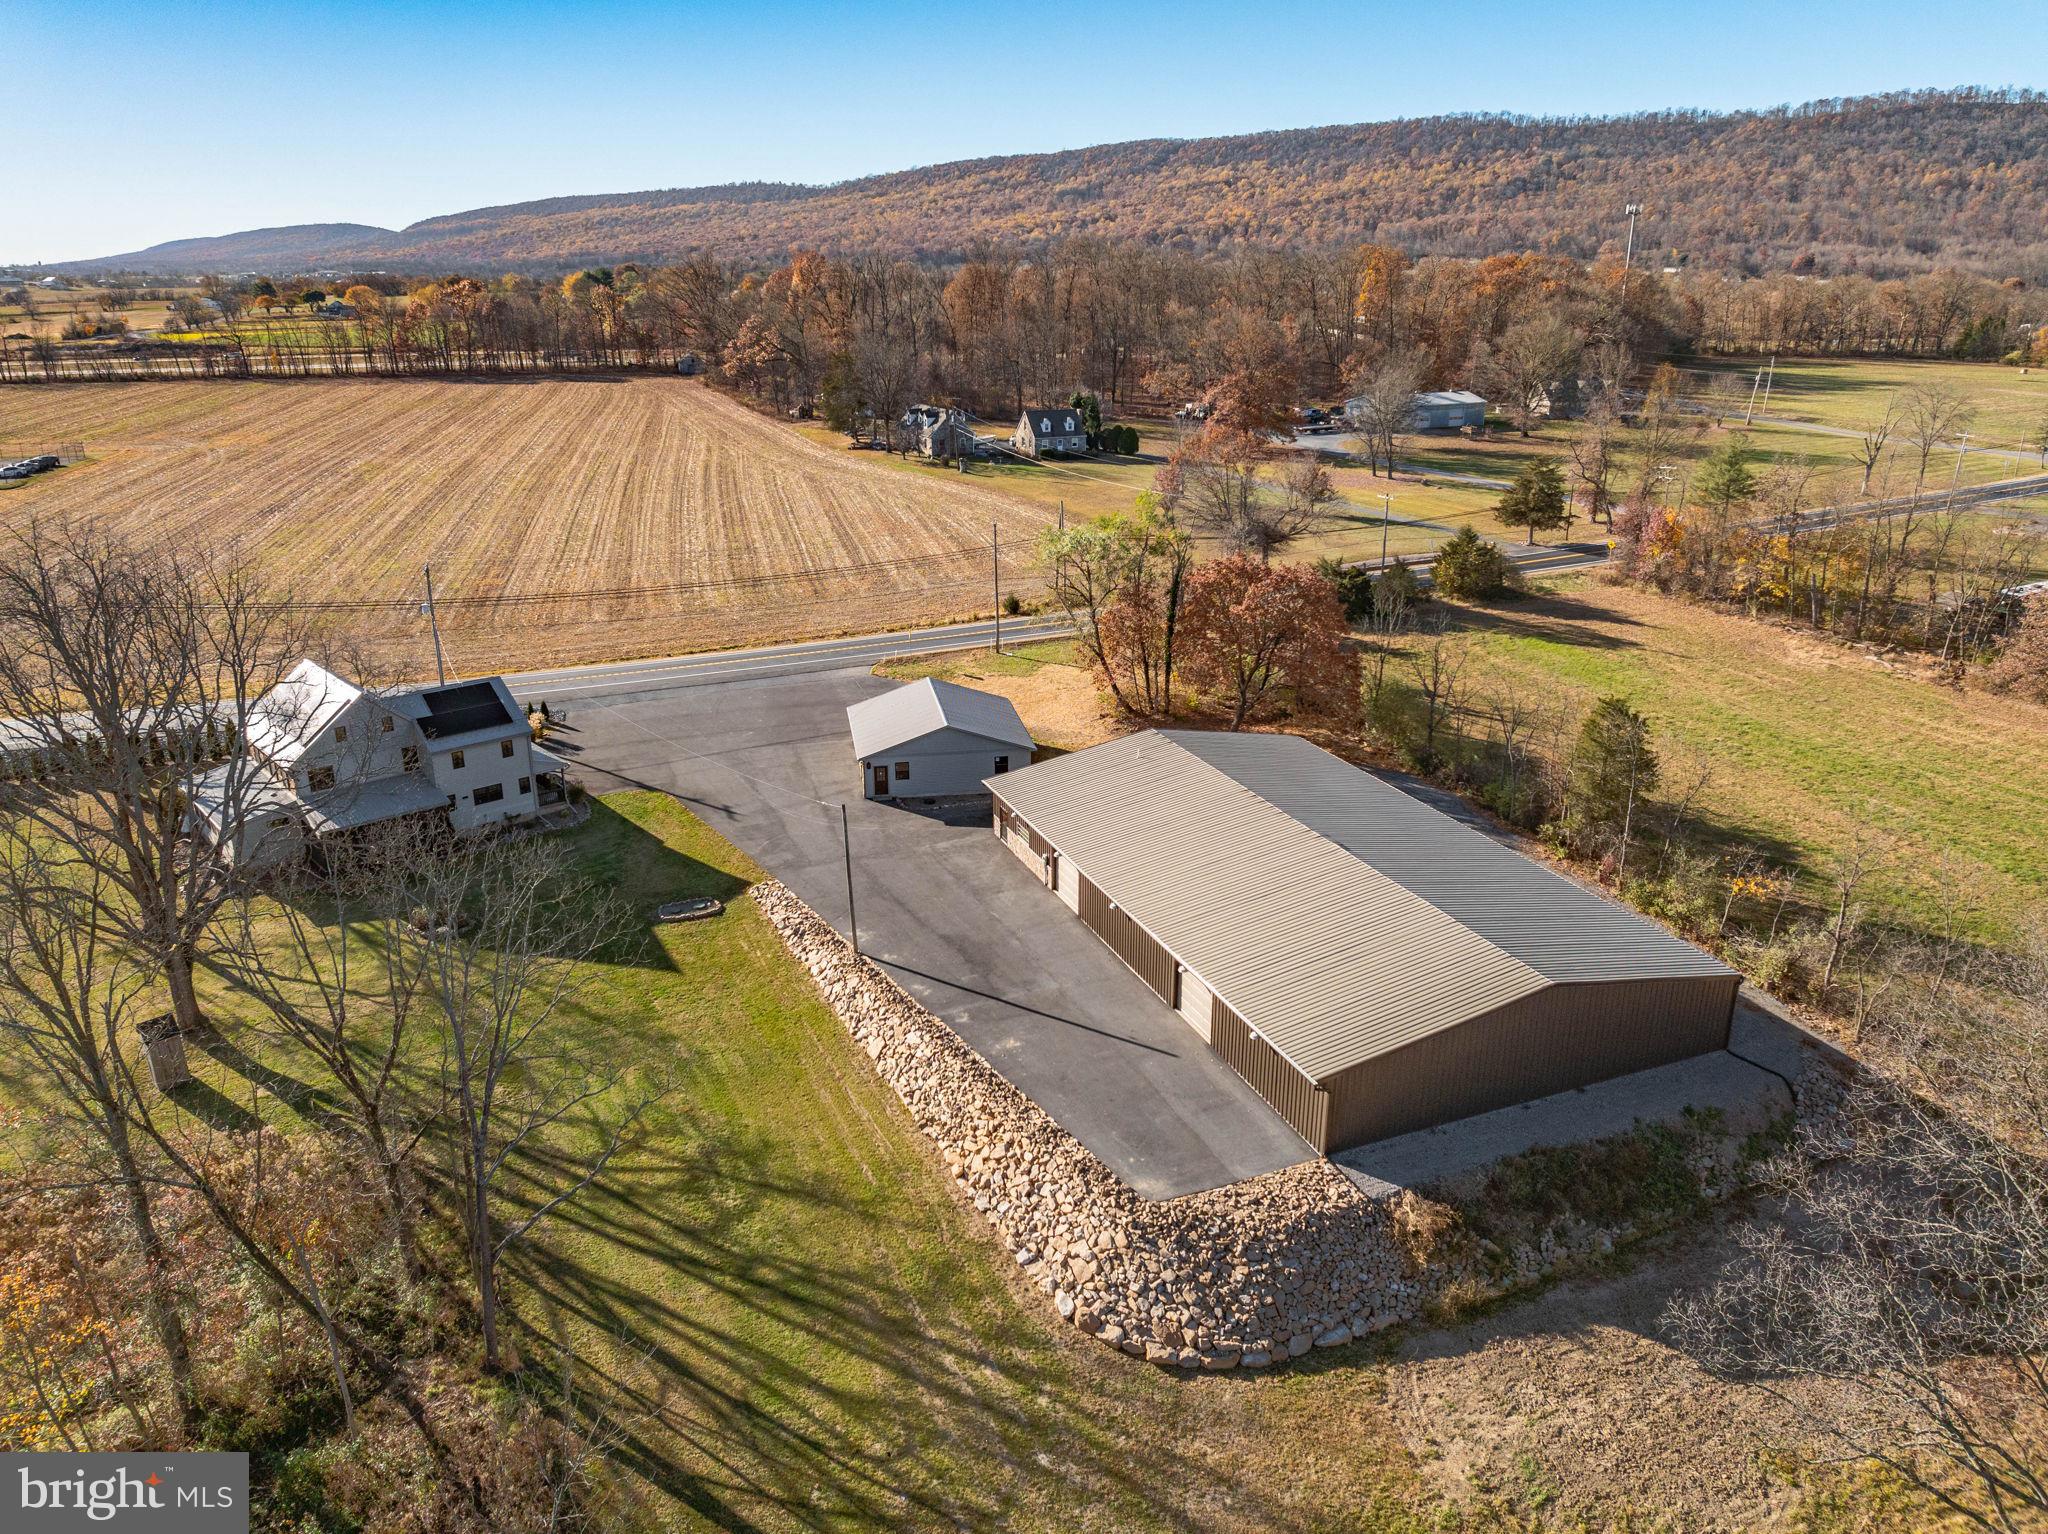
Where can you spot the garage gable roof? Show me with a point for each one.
(917, 709)
(1331, 957)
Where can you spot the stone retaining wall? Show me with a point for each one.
(1242, 1276)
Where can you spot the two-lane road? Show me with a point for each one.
(636, 677)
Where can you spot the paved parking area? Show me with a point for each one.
(954, 917)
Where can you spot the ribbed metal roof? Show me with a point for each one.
(1564, 931)
(1340, 918)
(916, 709)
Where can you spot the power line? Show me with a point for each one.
(667, 588)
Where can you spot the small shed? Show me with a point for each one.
(930, 739)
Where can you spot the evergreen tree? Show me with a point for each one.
(1725, 479)
(1608, 772)
(1468, 568)
(1536, 499)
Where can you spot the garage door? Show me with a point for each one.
(1128, 941)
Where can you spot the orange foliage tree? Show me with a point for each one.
(1253, 631)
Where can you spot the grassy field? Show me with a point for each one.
(1811, 744)
(566, 519)
(2010, 404)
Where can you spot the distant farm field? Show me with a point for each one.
(565, 519)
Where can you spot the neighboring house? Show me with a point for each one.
(322, 757)
(939, 431)
(1564, 399)
(930, 739)
(1050, 429)
(335, 309)
(1370, 965)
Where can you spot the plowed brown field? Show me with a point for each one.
(566, 519)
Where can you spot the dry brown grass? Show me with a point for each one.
(566, 519)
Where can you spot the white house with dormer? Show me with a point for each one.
(1050, 429)
(322, 757)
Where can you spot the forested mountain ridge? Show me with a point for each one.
(1882, 184)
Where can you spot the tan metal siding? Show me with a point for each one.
(1197, 1003)
(1128, 941)
(1292, 1095)
(1564, 1037)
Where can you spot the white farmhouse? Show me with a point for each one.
(323, 757)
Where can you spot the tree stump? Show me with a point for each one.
(164, 1043)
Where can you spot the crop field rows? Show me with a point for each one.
(565, 519)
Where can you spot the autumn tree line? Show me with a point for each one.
(1144, 327)
(300, 1252)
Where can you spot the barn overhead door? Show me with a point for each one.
(1128, 941)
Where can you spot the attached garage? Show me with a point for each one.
(932, 739)
(1368, 964)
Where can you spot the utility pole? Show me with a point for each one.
(846, 843)
(440, 663)
(995, 564)
(1770, 377)
(1962, 448)
(1628, 260)
(1386, 519)
(1755, 384)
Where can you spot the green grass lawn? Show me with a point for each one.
(2010, 404)
(789, 1321)
(1809, 743)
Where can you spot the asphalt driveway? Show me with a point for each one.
(954, 917)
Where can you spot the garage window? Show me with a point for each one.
(1002, 764)
(902, 771)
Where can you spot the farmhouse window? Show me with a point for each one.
(319, 779)
(388, 722)
(455, 760)
(410, 755)
(488, 793)
(1002, 764)
(902, 771)
(525, 786)
(340, 733)
(504, 748)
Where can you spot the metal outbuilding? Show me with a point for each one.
(929, 738)
(1369, 964)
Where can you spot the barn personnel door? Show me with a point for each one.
(882, 781)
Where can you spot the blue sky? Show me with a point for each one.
(126, 122)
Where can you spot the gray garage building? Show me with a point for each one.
(928, 739)
(1369, 964)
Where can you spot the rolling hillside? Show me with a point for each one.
(1885, 184)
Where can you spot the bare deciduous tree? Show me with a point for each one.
(502, 954)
